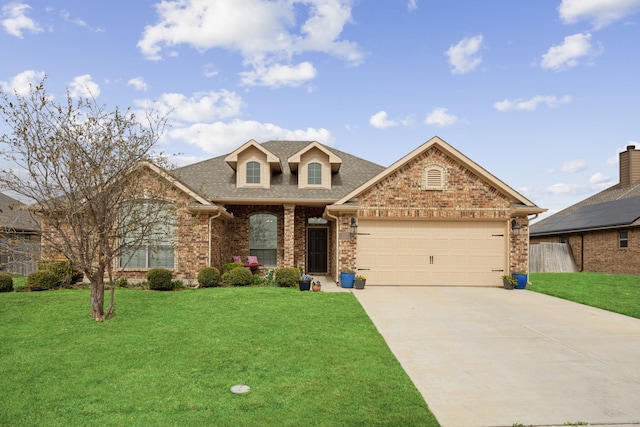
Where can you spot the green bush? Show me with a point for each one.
(6, 282)
(159, 279)
(42, 280)
(64, 270)
(230, 266)
(121, 282)
(209, 277)
(287, 277)
(240, 276)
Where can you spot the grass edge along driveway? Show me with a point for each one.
(618, 293)
(170, 358)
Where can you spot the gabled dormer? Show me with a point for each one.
(314, 165)
(254, 165)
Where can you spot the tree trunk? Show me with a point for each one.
(111, 310)
(97, 298)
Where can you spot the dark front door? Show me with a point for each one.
(317, 250)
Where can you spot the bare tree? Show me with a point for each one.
(77, 164)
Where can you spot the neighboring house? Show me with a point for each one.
(432, 218)
(19, 237)
(603, 231)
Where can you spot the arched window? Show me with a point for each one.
(263, 238)
(148, 235)
(253, 173)
(314, 174)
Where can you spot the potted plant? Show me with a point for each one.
(509, 282)
(521, 278)
(305, 282)
(347, 277)
(316, 286)
(359, 282)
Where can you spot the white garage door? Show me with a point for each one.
(462, 253)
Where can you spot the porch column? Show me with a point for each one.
(289, 235)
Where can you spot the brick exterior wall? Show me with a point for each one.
(464, 197)
(599, 251)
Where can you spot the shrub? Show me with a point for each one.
(42, 280)
(6, 282)
(240, 276)
(287, 277)
(121, 282)
(66, 273)
(159, 279)
(177, 284)
(230, 266)
(208, 277)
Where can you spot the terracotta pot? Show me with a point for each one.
(316, 288)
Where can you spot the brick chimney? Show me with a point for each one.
(629, 166)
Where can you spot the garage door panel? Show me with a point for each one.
(431, 252)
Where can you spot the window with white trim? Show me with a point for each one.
(253, 173)
(263, 238)
(314, 174)
(151, 236)
(623, 239)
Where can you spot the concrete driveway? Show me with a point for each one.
(492, 357)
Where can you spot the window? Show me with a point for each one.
(434, 178)
(623, 239)
(263, 238)
(253, 173)
(150, 234)
(314, 172)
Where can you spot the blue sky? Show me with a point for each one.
(543, 94)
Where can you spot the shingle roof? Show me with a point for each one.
(616, 206)
(12, 217)
(215, 180)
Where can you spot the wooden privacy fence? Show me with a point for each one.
(551, 258)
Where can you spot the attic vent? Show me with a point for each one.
(434, 178)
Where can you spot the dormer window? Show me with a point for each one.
(434, 178)
(253, 173)
(314, 174)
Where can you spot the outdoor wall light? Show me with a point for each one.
(515, 227)
(354, 226)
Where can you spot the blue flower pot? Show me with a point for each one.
(522, 281)
(304, 286)
(346, 279)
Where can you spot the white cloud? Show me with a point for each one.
(22, 83)
(279, 75)
(223, 137)
(412, 5)
(573, 166)
(201, 107)
(379, 120)
(464, 57)
(15, 19)
(599, 178)
(84, 87)
(138, 83)
(600, 12)
(568, 54)
(440, 117)
(264, 32)
(531, 104)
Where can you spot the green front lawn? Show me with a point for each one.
(170, 358)
(612, 292)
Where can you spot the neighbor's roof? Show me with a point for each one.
(215, 180)
(611, 208)
(13, 217)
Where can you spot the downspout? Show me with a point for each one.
(336, 243)
(581, 252)
(211, 218)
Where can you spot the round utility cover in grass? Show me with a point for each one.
(240, 389)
